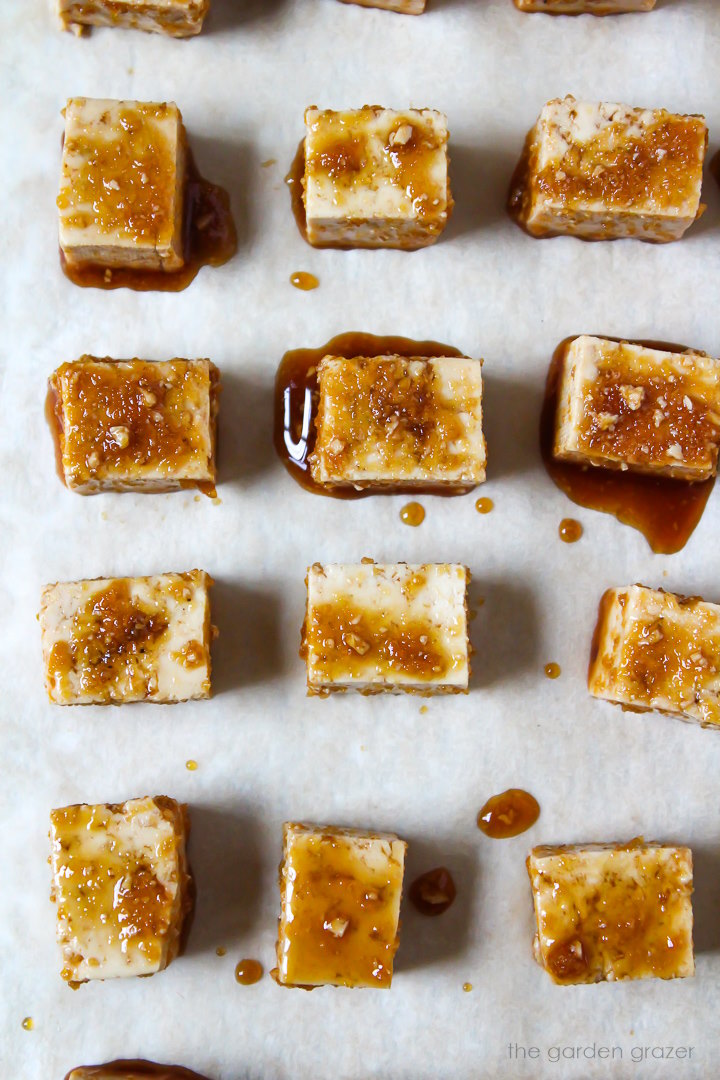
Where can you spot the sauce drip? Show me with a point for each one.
(552, 670)
(467, 987)
(210, 239)
(665, 510)
(221, 950)
(28, 1023)
(302, 280)
(296, 400)
(433, 892)
(484, 505)
(570, 530)
(191, 765)
(412, 514)
(508, 814)
(248, 972)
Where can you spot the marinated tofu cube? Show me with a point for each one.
(404, 7)
(400, 422)
(625, 406)
(613, 911)
(116, 640)
(603, 171)
(121, 201)
(589, 7)
(124, 425)
(340, 895)
(396, 627)
(178, 18)
(656, 650)
(376, 178)
(132, 1070)
(122, 886)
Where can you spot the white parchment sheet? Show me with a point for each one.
(265, 751)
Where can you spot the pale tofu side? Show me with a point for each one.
(403, 7)
(589, 7)
(122, 886)
(399, 421)
(613, 911)
(122, 185)
(396, 627)
(603, 171)
(622, 405)
(118, 640)
(177, 18)
(656, 650)
(138, 425)
(340, 893)
(376, 177)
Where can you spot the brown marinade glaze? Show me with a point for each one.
(433, 892)
(248, 972)
(296, 402)
(126, 1069)
(209, 239)
(508, 814)
(664, 509)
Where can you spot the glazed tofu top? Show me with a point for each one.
(134, 416)
(642, 406)
(404, 623)
(125, 639)
(615, 156)
(613, 911)
(375, 163)
(118, 881)
(658, 650)
(394, 417)
(120, 177)
(341, 903)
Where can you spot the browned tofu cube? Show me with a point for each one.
(613, 911)
(178, 18)
(135, 424)
(340, 894)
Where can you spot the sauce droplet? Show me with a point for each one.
(304, 281)
(28, 1023)
(423, 709)
(484, 505)
(191, 765)
(412, 514)
(552, 670)
(508, 814)
(221, 950)
(570, 530)
(248, 972)
(467, 987)
(433, 892)
(270, 161)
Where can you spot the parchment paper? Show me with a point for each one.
(265, 752)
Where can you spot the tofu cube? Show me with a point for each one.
(340, 895)
(580, 7)
(603, 171)
(613, 911)
(116, 640)
(403, 7)
(178, 18)
(656, 650)
(375, 628)
(624, 406)
(121, 200)
(132, 1070)
(376, 178)
(399, 421)
(122, 886)
(125, 425)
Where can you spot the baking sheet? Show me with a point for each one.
(265, 752)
